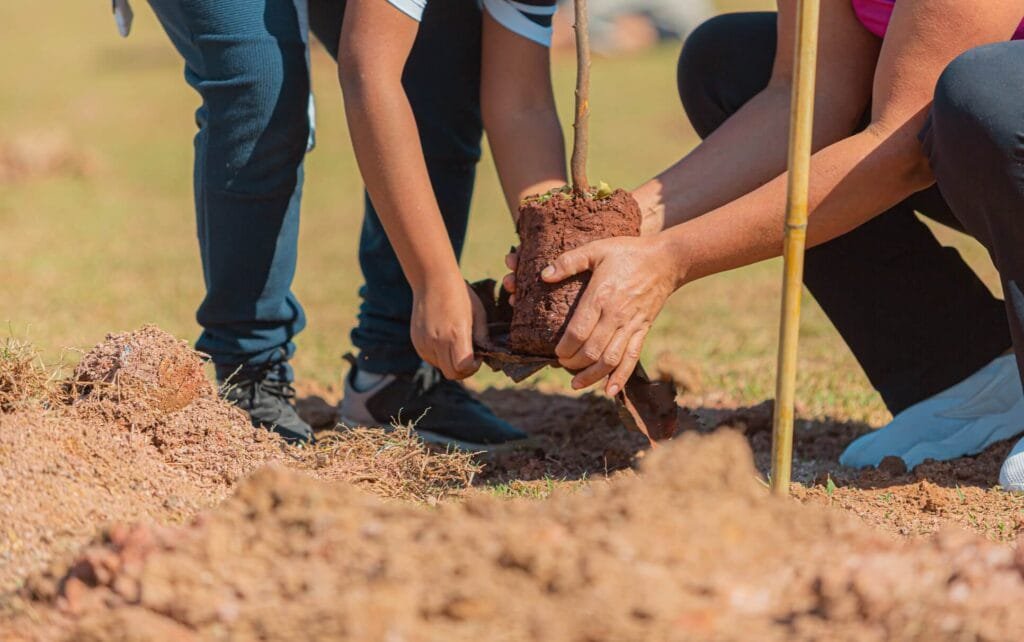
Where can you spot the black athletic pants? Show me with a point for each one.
(915, 315)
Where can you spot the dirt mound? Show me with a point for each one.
(138, 433)
(692, 549)
(576, 438)
(139, 377)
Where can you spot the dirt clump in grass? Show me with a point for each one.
(154, 386)
(41, 154)
(693, 548)
(139, 377)
(550, 225)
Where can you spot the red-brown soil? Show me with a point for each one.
(548, 227)
(138, 433)
(202, 528)
(692, 548)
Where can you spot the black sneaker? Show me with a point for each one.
(269, 401)
(440, 411)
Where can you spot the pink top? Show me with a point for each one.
(875, 15)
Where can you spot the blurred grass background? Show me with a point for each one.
(110, 245)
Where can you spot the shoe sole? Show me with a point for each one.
(436, 439)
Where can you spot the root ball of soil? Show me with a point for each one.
(548, 227)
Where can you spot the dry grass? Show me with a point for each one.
(25, 379)
(391, 463)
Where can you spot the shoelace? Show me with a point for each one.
(429, 381)
(257, 378)
(277, 388)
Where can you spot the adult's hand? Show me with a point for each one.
(632, 277)
(650, 226)
(446, 317)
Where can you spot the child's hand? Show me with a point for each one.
(445, 319)
(509, 281)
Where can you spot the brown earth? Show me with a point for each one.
(692, 548)
(202, 528)
(138, 433)
(549, 226)
(579, 437)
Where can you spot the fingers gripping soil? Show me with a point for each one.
(549, 227)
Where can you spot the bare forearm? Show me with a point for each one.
(851, 182)
(746, 152)
(386, 143)
(518, 107)
(529, 152)
(749, 149)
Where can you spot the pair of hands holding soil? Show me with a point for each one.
(630, 280)
(625, 281)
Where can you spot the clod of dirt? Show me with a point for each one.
(549, 226)
(694, 549)
(892, 466)
(138, 377)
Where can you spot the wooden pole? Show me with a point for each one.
(580, 126)
(801, 125)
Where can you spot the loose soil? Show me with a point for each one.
(131, 514)
(548, 227)
(138, 433)
(692, 548)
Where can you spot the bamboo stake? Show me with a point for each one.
(800, 134)
(580, 126)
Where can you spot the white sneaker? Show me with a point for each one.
(1011, 475)
(963, 420)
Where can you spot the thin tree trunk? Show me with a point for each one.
(581, 129)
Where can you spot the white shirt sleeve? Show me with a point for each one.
(532, 22)
(411, 8)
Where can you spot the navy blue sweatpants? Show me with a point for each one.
(914, 314)
(249, 62)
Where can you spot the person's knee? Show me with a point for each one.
(975, 105)
(257, 113)
(720, 58)
(696, 63)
